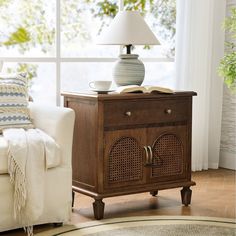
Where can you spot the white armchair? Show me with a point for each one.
(57, 122)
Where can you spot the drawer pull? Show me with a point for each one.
(168, 111)
(147, 156)
(151, 157)
(148, 150)
(128, 113)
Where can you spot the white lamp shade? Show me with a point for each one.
(128, 27)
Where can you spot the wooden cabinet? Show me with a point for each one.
(131, 143)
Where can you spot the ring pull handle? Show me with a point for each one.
(151, 156)
(128, 113)
(147, 156)
(168, 111)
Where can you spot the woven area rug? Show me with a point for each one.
(150, 226)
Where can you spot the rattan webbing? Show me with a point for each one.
(168, 156)
(125, 161)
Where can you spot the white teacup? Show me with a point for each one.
(101, 85)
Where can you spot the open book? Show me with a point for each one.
(142, 89)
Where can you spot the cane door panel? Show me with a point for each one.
(169, 157)
(124, 158)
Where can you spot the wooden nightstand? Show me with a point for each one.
(131, 143)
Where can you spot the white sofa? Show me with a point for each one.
(58, 122)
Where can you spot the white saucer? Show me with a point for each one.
(102, 91)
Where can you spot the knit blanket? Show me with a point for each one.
(30, 153)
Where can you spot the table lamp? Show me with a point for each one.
(128, 28)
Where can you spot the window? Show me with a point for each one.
(54, 41)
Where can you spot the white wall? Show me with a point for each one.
(228, 128)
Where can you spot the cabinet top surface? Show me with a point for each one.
(114, 96)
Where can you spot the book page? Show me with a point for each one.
(143, 89)
(151, 88)
(130, 89)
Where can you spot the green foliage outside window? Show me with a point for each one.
(163, 12)
(35, 29)
(31, 30)
(18, 37)
(227, 67)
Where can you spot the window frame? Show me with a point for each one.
(58, 60)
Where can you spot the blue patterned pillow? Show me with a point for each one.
(14, 112)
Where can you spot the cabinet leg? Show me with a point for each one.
(154, 193)
(186, 194)
(98, 209)
(73, 198)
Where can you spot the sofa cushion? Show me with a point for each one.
(54, 162)
(14, 112)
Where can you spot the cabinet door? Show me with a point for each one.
(170, 154)
(124, 158)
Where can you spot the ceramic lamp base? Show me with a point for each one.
(128, 70)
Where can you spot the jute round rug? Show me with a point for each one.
(150, 226)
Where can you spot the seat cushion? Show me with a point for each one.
(4, 159)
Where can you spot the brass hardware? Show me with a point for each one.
(151, 156)
(148, 150)
(147, 156)
(168, 111)
(128, 113)
(150, 161)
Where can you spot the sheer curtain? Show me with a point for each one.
(199, 47)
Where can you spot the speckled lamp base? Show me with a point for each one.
(128, 70)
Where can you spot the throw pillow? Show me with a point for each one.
(14, 112)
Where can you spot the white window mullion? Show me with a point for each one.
(28, 59)
(121, 5)
(58, 52)
(121, 8)
(88, 59)
(160, 59)
(57, 60)
(78, 59)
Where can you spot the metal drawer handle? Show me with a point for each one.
(168, 111)
(151, 156)
(147, 156)
(128, 113)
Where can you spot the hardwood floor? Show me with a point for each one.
(214, 195)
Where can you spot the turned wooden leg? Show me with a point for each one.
(73, 198)
(98, 209)
(154, 193)
(186, 194)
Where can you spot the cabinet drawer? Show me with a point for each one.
(121, 113)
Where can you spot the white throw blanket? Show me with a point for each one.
(31, 152)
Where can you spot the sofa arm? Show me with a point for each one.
(58, 122)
